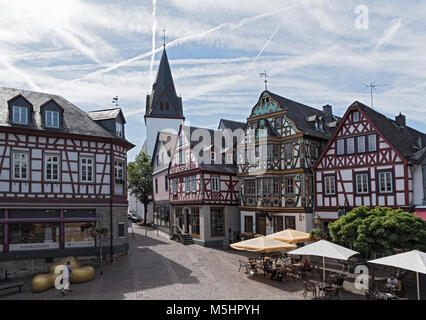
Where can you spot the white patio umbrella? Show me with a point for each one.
(324, 249)
(413, 260)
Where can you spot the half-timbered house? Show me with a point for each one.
(62, 172)
(369, 161)
(204, 189)
(281, 142)
(163, 148)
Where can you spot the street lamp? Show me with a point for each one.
(316, 220)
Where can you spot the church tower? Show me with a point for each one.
(164, 110)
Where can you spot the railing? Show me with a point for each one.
(176, 230)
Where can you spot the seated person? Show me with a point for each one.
(392, 280)
(399, 290)
(307, 266)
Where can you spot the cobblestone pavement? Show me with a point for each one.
(158, 268)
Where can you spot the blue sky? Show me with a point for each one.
(91, 51)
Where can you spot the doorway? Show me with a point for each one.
(261, 223)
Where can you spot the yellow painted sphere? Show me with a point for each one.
(42, 282)
(72, 260)
(82, 274)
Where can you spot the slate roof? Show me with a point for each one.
(107, 114)
(161, 86)
(75, 120)
(404, 139)
(231, 124)
(299, 113)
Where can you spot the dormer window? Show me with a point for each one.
(119, 129)
(20, 115)
(52, 119)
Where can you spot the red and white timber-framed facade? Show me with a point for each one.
(367, 163)
(204, 189)
(281, 142)
(62, 172)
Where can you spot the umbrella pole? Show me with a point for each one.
(323, 269)
(418, 287)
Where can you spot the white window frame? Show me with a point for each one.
(355, 117)
(48, 163)
(21, 162)
(372, 138)
(361, 181)
(193, 184)
(215, 184)
(51, 123)
(119, 129)
(187, 184)
(361, 142)
(385, 175)
(329, 185)
(83, 178)
(20, 114)
(350, 145)
(340, 147)
(117, 171)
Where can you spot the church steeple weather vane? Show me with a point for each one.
(265, 75)
(164, 38)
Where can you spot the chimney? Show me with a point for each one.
(400, 120)
(327, 112)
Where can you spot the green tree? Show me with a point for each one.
(380, 230)
(139, 179)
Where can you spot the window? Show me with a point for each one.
(161, 106)
(361, 144)
(156, 185)
(195, 221)
(174, 186)
(20, 166)
(86, 169)
(187, 186)
(356, 116)
(248, 224)
(372, 143)
(278, 223)
(385, 182)
(33, 236)
(121, 230)
(229, 158)
(193, 184)
(52, 119)
(217, 217)
(340, 145)
(181, 157)
(250, 188)
(361, 183)
(166, 106)
(289, 186)
(119, 129)
(330, 185)
(20, 115)
(51, 168)
(166, 183)
(215, 184)
(288, 150)
(77, 234)
(276, 152)
(290, 222)
(351, 145)
(157, 160)
(277, 186)
(213, 156)
(119, 172)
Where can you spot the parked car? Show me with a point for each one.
(133, 217)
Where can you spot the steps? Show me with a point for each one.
(184, 238)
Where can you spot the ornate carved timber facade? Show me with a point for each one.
(280, 144)
(204, 189)
(368, 162)
(62, 171)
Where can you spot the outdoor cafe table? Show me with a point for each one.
(386, 295)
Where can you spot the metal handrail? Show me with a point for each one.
(178, 232)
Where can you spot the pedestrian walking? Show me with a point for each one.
(67, 283)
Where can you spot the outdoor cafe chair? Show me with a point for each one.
(330, 293)
(244, 265)
(309, 287)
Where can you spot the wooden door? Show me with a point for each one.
(261, 224)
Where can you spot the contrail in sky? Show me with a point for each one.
(266, 44)
(154, 31)
(231, 26)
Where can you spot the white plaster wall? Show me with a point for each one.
(154, 125)
(418, 195)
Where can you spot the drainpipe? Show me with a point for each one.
(111, 177)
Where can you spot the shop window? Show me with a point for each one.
(217, 216)
(33, 236)
(77, 234)
(195, 221)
